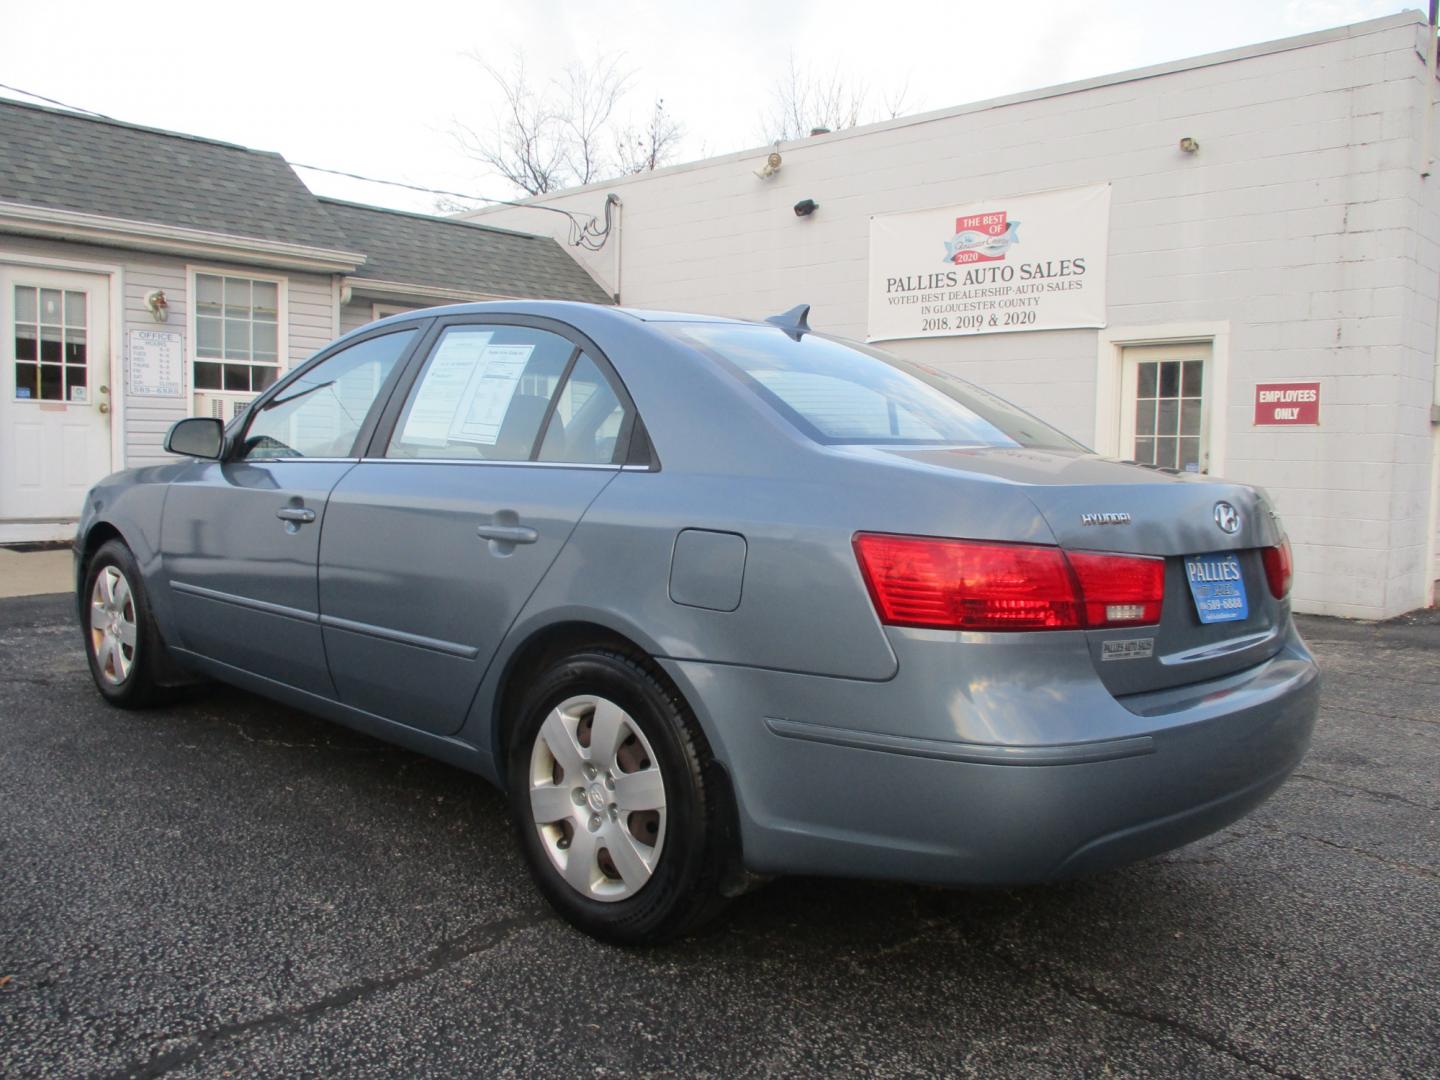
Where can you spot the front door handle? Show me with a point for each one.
(297, 514)
(508, 534)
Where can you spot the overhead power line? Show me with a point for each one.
(582, 233)
(52, 101)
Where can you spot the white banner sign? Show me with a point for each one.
(1032, 262)
(157, 363)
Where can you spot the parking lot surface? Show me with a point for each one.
(228, 888)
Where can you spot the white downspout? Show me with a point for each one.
(619, 213)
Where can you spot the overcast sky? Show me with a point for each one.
(377, 89)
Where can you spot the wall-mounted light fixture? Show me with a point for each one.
(1188, 145)
(805, 207)
(158, 305)
(771, 166)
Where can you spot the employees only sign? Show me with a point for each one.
(1282, 404)
(1032, 262)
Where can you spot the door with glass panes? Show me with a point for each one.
(1165, 406)
(54, 391)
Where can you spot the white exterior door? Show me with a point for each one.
(1165, 405)
(55, 397)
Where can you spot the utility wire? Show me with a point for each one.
(52, 101)
(583, 233)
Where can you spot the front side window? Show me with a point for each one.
(237, 333)
(842, 392)
(485, 391)
(319, 413)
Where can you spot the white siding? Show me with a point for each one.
(1301, 223)
(355, 315)
(309, 301)
(312, 315)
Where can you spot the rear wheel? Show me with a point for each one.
(607, 771)
(121, 641)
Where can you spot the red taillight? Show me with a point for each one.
(979, 585)
(1279, 569)
(1120, 590)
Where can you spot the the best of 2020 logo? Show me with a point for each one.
(981, 238)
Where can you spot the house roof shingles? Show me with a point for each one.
(65, 161)
(418, 249)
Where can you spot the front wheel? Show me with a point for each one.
(121, 641)
(607, 784)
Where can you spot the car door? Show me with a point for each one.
(240, 537)
(434, 542)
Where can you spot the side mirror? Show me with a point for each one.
(197, 436)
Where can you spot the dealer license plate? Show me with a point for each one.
(1218, 587)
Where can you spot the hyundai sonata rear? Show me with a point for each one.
(709, 597)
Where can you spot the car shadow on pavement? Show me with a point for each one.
(799, 915)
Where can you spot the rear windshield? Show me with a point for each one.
(843, 392)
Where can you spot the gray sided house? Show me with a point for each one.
(147, 275)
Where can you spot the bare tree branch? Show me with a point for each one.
(653, 145)
(803, 100)
(527, 145)
(895, 101)
(591, 94)
(570, 131)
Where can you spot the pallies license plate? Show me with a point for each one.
(1218, 587)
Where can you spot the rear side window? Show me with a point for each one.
(482, 395)
(589, 422)
(487, 390)
(842, 392)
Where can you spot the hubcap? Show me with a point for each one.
(113, 633)
(597, 798)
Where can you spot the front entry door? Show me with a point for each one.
(54, 393)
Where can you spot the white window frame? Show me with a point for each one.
(1134, 356)
(1110, 401)
(383, 311)
(282, 328)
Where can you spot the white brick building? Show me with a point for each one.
(1300, 243)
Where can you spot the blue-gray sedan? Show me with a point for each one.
(715, 600)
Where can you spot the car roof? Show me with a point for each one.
(577, 313)
(645, 315)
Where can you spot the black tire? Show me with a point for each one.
(683, 889)
(133, 684)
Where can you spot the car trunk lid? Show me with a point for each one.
(1093, 504)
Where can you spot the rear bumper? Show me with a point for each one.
(829, 793)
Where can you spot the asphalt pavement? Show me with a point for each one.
(225, 887)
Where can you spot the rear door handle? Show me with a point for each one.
(508, 534)
(298, 514)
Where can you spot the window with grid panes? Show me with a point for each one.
(1168, 401)
(237, 333)
(50, 345)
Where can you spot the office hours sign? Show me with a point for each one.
(1031, 262)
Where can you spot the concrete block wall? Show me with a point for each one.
(1302, 229)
